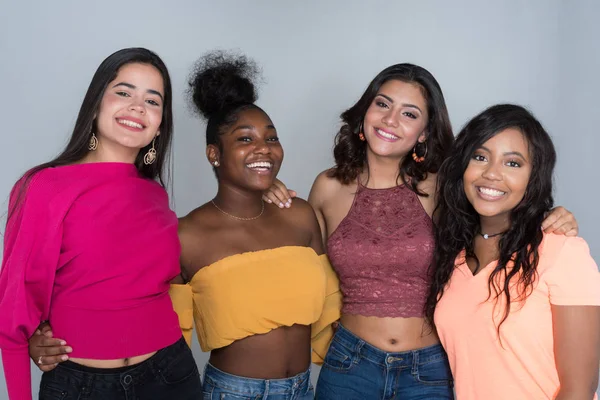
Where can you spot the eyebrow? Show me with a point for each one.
(508, 153)
(130, 86)
(250, 127)
(403, 104)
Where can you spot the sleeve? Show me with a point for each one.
(183, 303)
(322, 330)
(574, 280)
(30, 258)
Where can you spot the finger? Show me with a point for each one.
(267, 199)
(572, 232)
(47, 330)
(550, 220)
(51, 360)
(280, 198)
(281, 192)
(293, 193)
(47, 368)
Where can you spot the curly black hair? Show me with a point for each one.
(221, 86)
(458, 222)
(350, 152)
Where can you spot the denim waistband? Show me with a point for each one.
(402, 359)
(254, 387)
(130, 375)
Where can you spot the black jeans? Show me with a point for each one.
(170, 374)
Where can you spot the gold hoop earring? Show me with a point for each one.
(93, 144)
(150, 156)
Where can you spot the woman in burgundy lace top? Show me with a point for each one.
(375, 209)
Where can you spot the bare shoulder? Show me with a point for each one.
(324, 188)
(196, 220)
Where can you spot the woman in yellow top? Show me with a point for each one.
(254, 278)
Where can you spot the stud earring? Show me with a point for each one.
(215, 163)
(150, 156)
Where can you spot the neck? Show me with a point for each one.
(238, 202)
(494, 225)
(109, 152)
(381, 172)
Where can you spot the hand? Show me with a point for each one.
(46, 351)
(279, 194)
(560, 221)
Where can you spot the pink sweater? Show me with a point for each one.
(92, 248)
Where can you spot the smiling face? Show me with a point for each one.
(497, 175)
(131, 110)
(251, 153)
(396, 119)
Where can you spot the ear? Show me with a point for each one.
(422, 137)
(157, 133)
(212, 154)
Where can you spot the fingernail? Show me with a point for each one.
(64, 358)
(280, 205)
(62, 342)
(269, 201)
(69, 349)
(289, 201)
(288, 205)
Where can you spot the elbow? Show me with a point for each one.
(578, 392)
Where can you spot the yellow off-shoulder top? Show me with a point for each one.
(255, 292)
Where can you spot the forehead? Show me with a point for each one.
(143, 76)
(404, 92)
(508, 140)
(253, 117)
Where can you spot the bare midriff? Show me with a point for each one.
(116, 363)
(391, 334)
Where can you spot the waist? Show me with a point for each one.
(256, 387)
(113, 334)
(423, 355)
(391, 334)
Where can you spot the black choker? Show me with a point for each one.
(486, 236)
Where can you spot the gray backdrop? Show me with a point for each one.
(317, 58)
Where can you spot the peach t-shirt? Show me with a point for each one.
(522, 365)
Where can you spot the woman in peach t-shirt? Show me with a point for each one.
(517, 310)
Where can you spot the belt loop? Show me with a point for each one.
(415, 366)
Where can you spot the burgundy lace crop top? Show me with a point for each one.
(381, 252)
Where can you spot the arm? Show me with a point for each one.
(577, 350)
(574, 290)
(316, 199)
(31, 250)
(560, 221)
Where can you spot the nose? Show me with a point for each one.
(262, 147)
(492, 172)
(390, 119)
(137, 105)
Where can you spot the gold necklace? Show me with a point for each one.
(241, 218)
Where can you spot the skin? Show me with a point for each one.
(208, 235)
(135, 95)
(332, 201)
(503, 163)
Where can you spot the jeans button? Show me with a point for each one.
(127, 379)
(390, 359)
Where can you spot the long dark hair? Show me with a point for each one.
(458, 222)
(77, 147)
(220, 87)
(350, 152)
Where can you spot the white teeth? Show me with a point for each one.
(387, 135)
(260, 164)
(491, 192)
(130, 123)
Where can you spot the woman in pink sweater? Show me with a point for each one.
(91, 245)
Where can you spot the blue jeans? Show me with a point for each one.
(354, 369)
(169, 374)
(223, 386)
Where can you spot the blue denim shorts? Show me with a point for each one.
(354, 369)
(223, 386)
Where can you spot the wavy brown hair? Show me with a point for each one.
(350, 152)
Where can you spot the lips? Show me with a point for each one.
(260, 166)
(385, 135)
(131, 123)
(490, 194)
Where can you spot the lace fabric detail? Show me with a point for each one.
(381, 252)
